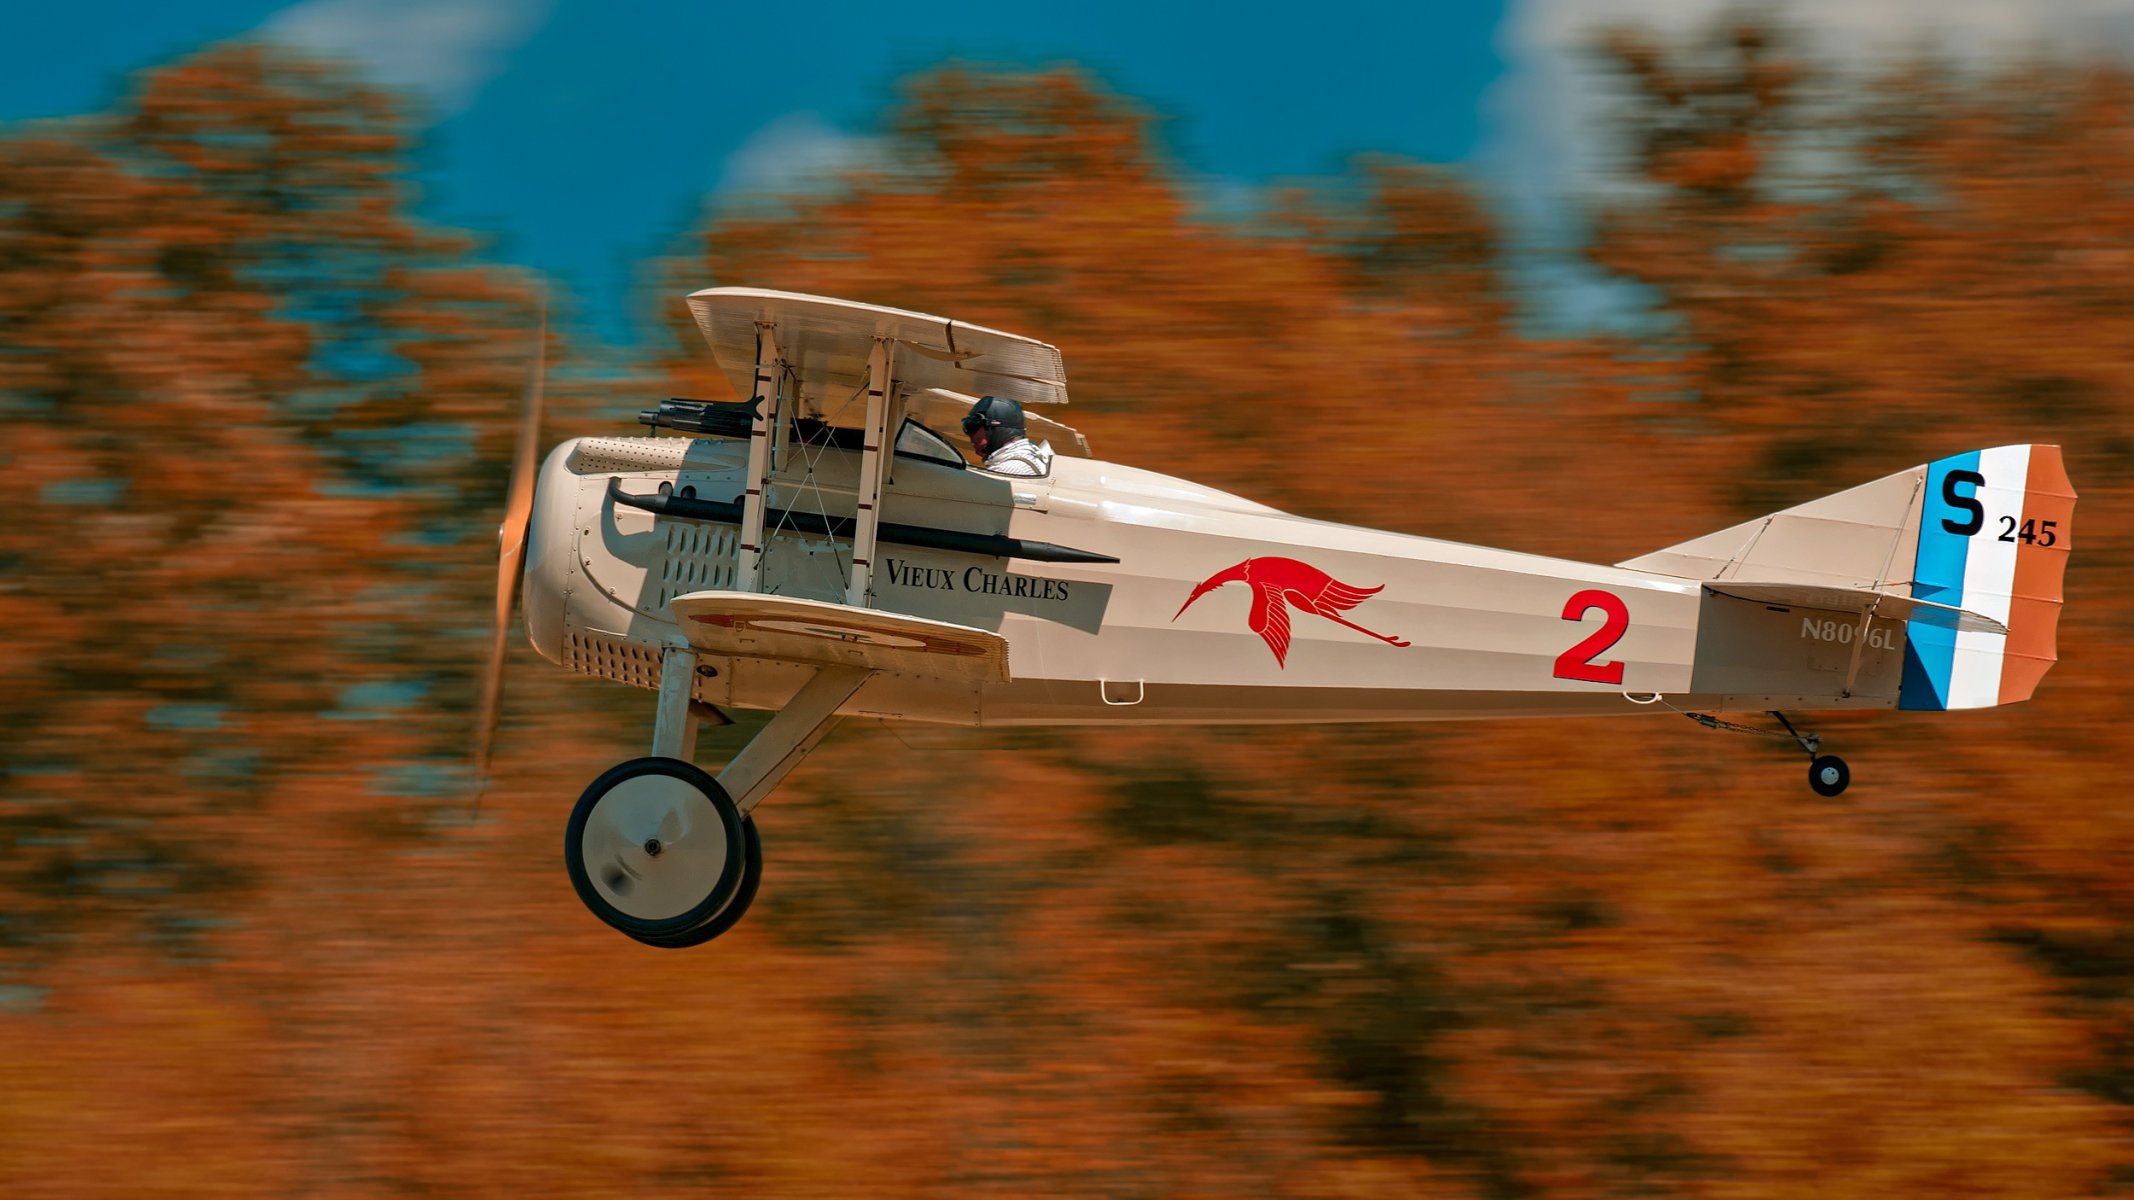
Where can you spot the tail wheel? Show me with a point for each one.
(658, 850)
(1829, 775)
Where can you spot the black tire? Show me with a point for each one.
(728, 917)
(663, 891)
(1829, 775)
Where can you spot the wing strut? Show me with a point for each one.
(764, 434)
(882, 399)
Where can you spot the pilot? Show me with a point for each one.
(995, 427)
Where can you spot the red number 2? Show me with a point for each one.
(1577, 662)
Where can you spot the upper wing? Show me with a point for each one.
(826, 343)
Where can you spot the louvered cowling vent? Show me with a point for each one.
(611, 658)
(699, 558)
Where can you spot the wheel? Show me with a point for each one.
(656, 849)
(1829, 775)
(728, 917)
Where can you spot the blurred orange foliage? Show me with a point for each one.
(255, 418)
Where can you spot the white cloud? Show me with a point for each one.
(443, 49)
(798, 152)
(1547, 116)
(1225, 198)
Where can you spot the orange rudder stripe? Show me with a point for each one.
(2047, 527)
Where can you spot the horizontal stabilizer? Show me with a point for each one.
(1859, 600)
(790, 629)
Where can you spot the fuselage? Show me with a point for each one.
(1217, 610)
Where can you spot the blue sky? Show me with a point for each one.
(585, 137)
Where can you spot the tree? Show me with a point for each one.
(257, 416)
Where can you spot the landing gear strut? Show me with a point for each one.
(1827, 773)
(663, 852)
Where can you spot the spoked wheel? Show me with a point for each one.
(657, 850)
(1829, 775)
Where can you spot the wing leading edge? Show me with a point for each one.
(819, 633)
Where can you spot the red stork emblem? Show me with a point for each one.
(1276, 584)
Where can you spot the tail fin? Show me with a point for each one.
(1987, 532)
(1994, 536)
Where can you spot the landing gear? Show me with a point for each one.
(657, 850)
(1828, 775)
(660, 850)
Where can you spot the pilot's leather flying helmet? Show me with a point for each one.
(1000, 417)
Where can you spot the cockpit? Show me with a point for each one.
(916, 438)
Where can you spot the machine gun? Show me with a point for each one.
(711, 418)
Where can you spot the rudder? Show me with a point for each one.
(1994, 531)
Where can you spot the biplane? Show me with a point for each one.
(829, 547)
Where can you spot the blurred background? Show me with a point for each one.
(1576, 278)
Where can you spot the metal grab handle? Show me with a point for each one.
(1141, 688)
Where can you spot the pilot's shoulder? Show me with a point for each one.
(1022, 458)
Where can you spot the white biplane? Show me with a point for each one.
(828, 548)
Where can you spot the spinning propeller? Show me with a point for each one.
(511, 549)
